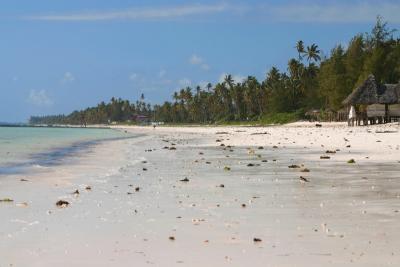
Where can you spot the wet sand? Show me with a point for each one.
(222, 196)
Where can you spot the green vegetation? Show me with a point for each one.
(312, 81)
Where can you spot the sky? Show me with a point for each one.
(64, 55)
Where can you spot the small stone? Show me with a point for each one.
(303, 179)
(62, 204)
(293, 166)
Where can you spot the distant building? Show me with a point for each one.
(141, 119)
(374, 102)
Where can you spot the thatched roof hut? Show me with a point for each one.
(371, 92)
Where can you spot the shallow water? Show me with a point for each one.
(22, 147)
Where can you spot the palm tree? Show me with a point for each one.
(313, 53)
(300, 49)
(209, 86)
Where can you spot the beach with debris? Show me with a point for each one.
(294, 195)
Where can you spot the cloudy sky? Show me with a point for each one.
(57, 56)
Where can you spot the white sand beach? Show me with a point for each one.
(213, 196)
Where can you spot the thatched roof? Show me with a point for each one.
(371, 92)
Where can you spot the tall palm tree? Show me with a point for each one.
(313, 53)
(300, 49)
(209, 86)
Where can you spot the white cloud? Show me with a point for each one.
(146, 13)
(68, 77)
(185, 82)
(205, 66)
(162, 73)
(133, 76)
(39, 98)
(195, 60)
(333, 12)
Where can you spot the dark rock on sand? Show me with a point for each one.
(304, 179)
(62, 203)
(293, 166)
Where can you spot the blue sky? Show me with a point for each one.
(58, 56)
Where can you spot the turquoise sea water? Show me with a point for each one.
(24, 146)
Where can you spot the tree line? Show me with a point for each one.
(311, 81)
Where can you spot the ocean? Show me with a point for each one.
(24, 147)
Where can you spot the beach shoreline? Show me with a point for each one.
(219, 196)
